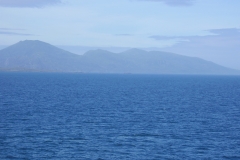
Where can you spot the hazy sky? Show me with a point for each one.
(209, 29)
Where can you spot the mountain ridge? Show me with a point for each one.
(35, 55)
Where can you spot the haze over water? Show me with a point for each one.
(125, 116)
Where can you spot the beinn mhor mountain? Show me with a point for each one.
(34, 55)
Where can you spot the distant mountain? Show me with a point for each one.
(37, 56)
(40, 56)
(153, 62)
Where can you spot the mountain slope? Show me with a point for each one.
(37, 55)
(153, 62)
(164, 62)
(41, 56)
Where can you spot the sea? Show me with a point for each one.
(64, 116)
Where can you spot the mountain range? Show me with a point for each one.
(34, 55)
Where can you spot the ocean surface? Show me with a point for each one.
(109, 116)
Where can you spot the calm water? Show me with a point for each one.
(91, 116)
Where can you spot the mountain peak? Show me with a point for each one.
(37, 55)
(97, 52)
(31, 41)
(134, 51)
(29, 45)
(34, 43)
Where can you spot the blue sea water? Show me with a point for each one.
(107, 116)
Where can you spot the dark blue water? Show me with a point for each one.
(91, 116)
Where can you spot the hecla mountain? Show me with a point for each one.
(35, 55)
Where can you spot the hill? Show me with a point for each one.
(40, 56)
(37, 56)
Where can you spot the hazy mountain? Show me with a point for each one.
(153, 62)
(37, 56)
(41, 56)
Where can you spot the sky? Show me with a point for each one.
(209, 29)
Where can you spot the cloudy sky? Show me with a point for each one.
(208, 29)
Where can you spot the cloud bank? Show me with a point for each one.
(28, 3)
(174, 2)
(219, 37)
(10, 31)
